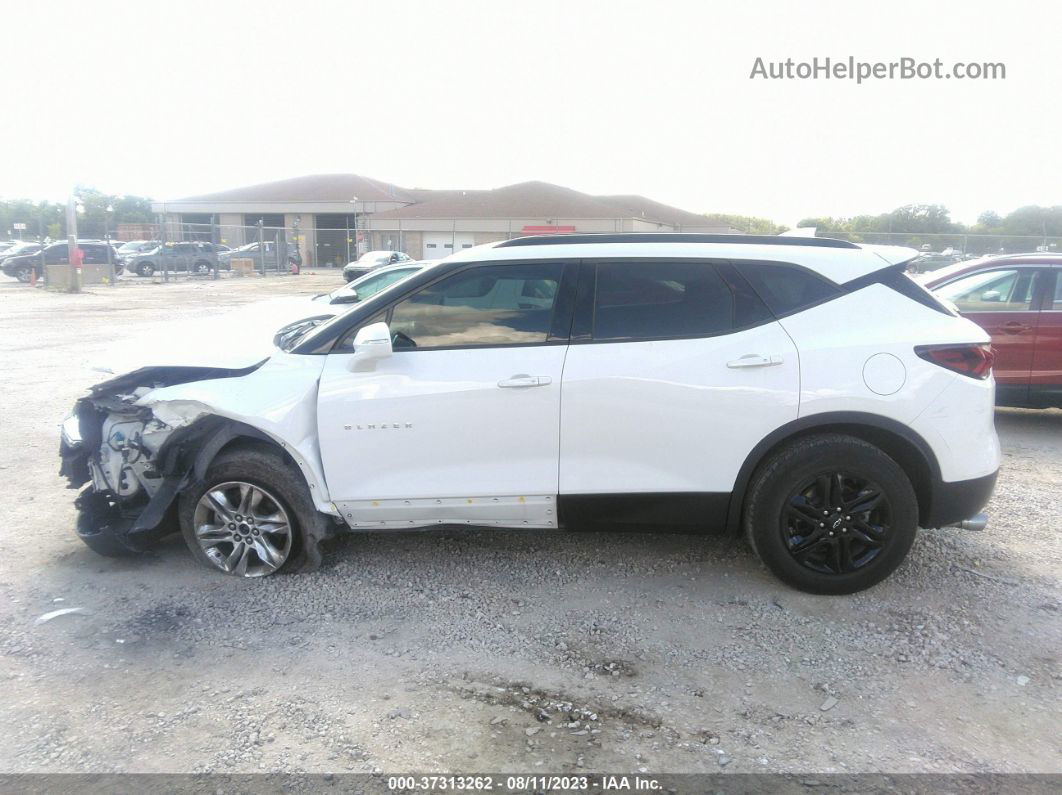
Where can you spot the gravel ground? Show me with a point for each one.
(470, 650)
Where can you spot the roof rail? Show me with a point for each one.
(676, 237)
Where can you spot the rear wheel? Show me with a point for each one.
(201, 267)
(831, 514)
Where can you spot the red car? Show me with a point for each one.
(1017, 298)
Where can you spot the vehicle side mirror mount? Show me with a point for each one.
(373, 342)
(991, 295)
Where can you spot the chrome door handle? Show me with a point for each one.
(522, 380)
(754, 360)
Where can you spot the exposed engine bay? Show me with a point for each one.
(137, 458)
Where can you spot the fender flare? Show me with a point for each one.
(851, 422)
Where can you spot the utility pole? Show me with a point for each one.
(261, 245)
(111, 277)
(72, 254)
(357, 247)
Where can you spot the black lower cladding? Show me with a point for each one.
(705, 510)
(961, 499)
(104, 525)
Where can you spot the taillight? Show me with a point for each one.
(974, 359)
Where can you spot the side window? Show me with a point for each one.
(1057, 302)
(374, 284)
(650, 300)
(786, 289)
(94, 254)
(481, 306)
(991, 291)
(55, 254)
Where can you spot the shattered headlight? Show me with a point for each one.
(70, 431)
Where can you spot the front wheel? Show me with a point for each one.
(22, 273)
(239, 519)
(831, 514)
(145, 269)
(201, 267)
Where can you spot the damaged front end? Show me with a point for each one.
(134, 461)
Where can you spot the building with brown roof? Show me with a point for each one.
(336, 215)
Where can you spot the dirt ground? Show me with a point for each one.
(468, 650)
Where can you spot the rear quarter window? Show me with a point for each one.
(786, 288)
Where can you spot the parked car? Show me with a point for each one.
(194, 257)
(326, 305)
(371, 283)
(932, 260)
(130, 249)
(19, 250)
(371, 261)
(803, 390)
(1017, 299)
(22, 267)
(271, 256)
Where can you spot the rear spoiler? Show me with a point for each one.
(894, 276)
(893, 255)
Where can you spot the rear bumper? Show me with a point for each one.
(953, 502)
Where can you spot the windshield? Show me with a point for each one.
(23, 248)
(375, 257)
(373, 283)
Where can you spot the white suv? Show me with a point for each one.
(805, 391)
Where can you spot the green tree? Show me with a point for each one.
(747, 223)
(49, 218)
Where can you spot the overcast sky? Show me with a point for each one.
(179, 98)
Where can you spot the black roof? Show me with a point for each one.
(677, 237)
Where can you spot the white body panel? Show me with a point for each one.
(960, 427)
(838, 339)
(279, 399)
(671, 415)
(436, 425)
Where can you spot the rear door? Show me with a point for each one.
(1045, 383)
(674, 374)
(1000, 300)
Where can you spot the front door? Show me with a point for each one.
(1001, 302)
(462, 422)
(669, 392)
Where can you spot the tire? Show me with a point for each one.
(282, 489)
(201, 267)
(145, 269)
(22, 273)
(849, 550)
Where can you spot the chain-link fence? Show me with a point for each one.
(174, 250)
(965, 245)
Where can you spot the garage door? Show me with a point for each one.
(442, 244)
